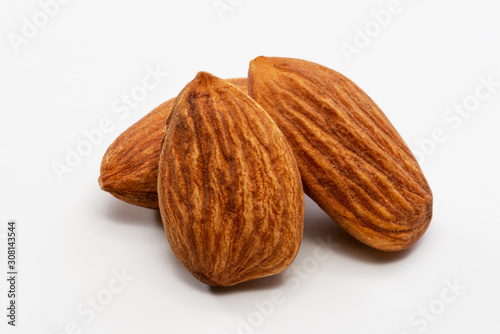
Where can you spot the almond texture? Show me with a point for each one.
(129, 168)
(230, 193)
(353, 162)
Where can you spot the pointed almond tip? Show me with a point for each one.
(263, 64)
(102, 183)
(258, 61)
(107, 180)
(204, 80)
(203, 76)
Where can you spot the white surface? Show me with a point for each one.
(65, 79)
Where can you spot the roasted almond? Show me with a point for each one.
(230, 193)
(129, 168)
(353, 162)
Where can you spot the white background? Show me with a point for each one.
(65, 78)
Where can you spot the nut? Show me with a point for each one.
(353, 162)
(230, 193)
(129, 168)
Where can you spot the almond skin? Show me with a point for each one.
(353, 162)
(230, 193)
(129, 168)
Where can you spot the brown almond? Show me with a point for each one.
(230, 193)
(129, 168)
(353, 162)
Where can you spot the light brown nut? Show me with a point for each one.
(230, 193)
(353, 162)
(129, 168)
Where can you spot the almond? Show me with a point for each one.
(230, 193)
(129, 168)
(353, 162)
